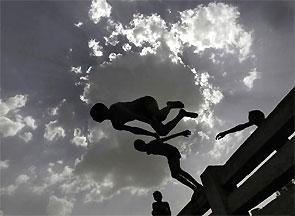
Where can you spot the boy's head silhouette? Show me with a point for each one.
(99, 112)
(256, 117)
(140, 145)
(157, 196)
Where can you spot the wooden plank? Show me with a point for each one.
(271, 176)
(277, 127)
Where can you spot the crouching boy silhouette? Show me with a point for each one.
(158, 147)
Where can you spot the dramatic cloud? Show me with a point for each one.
(19, 181)
(30, 122)
(200, 28)
(59, 207)
(53, 111)
(76, 70)
(79, 139)
(96, 49)
(11, 122)
(4, 164)
(126, 47)
(249, 80)
(98, 10)
(204, 55)
(22, 179)
(9, 127)
(27, 136)
(12, 103)
(53, 131)
(203, 28)
(78, 24)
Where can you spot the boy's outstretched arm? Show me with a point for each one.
(185, 133)
(233, 130)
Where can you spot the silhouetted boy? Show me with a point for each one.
(255, 117)
(144, 109)
(159, 207)
(158, 147)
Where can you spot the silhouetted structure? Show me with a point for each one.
(158, 147)
(223, 195)
(144, 109)
(159, 207)
(255, 117)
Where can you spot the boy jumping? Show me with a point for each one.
(158, 147)
(144, 109)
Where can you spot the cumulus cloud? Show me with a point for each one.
(11, 122)
(113, 56)
(96, 49)
(9, 127)
(126, 47)
(76, 70)
(249, 80)
(200, 28)
(27, 136)
(78, 24)
(95, 135)
(11, 189)
(99, 9)
(30, 122)
(22, 179)
(53, 111)
(4, 164)
(12, 103)
(52, 131)
(79, 139)
(59, 206)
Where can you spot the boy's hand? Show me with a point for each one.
(220, 135)
(186, 133)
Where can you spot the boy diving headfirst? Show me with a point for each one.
(158, 147)
(144, 109)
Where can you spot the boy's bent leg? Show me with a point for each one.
(163, 130)
(163, 113)
(183, 181)
(174, 165)
(175, 104)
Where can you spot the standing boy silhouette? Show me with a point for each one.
(159, 207)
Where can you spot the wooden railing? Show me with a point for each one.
(220, 182)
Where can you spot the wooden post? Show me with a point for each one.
(215, 193)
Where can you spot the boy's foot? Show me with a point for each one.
(189, 114)
(175, 104)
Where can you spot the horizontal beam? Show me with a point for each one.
(272, 175)
(269, 136)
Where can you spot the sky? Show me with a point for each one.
(58, 58)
